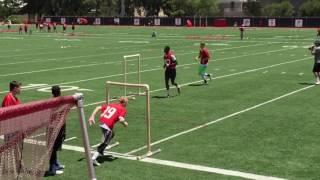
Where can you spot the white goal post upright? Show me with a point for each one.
(134, 57)
(85, 136)
(146, 88)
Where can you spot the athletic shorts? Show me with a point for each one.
(202, 69)
(316, 67)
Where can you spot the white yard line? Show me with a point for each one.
(77, 57)
(218, 77)
(221, 119)
(209, 169)
(103, 77)
(176, 164)
(69, 139)
(38, 135)
(106, 54)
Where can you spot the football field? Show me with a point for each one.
(258, 117)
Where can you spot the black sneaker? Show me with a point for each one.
(205, 81)
(209, 75)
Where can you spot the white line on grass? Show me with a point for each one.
(221, 119)
(77, 57)
(209, 169)
(105, 54)
(69, 139)
(193, 167)
(102, 77)
(218, 77)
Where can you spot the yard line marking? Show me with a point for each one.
(77, 57)
(96, 64)
(221, 119)
(69, 139)
(103, 54)
(176, 164)
(209, 169)
(38, 135)
(103, 77)
(218, 77)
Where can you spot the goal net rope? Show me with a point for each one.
(27, 135)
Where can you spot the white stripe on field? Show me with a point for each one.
(104, 63)
(148, 70)
(181, 165)
(218, 77)
(69, 139)
(221, 119)
(209, 169)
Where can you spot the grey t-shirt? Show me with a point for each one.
(316, 53)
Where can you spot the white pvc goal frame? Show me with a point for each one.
(146, 88)
(134, 57)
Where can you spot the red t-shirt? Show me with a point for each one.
(170, 60)
(110, 114)
(204, 56)
(10, 100)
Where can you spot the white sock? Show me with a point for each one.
(95, 156)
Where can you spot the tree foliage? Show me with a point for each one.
(190, 7)
(310, 8)
(282, 9)
(253, 8)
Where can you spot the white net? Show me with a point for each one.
(28, 133)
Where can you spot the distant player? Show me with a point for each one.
(54, 27)
(110, 115)
(203, 59)
(170, 63)
(49, 27)
(241, 29)
(73, 27)
(154, 34)
(37, 25)
(315, 51)
(20, 29)
(25, 28)
(64, 27)
(41, 27)
(9, 24)
(318, 32)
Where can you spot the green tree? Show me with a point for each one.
(282, 9)
(310, 8)
(190, 7)
(253, 8)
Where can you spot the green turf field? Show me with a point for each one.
(257, 118)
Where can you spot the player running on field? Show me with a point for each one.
(203, 57)
(315, 50)
(170, 63)
(110, 115)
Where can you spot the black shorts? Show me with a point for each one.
(170, 74)
(316, 67)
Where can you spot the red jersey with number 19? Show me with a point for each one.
(110, 114)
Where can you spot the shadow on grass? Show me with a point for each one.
(102, 159)
(198, 84)
(164, 97)
(306, 83)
